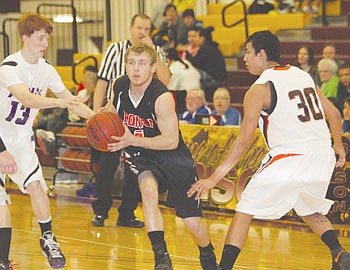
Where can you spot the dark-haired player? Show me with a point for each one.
(292, 114)
(25, 77)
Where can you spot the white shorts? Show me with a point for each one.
(28, 167)
(286, 182)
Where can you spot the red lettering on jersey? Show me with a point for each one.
(132, 120)
(138, 133)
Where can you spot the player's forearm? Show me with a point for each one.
(336, 127)
(163, 72)
(83, 111)
(39, 102)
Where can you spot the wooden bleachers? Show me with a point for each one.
(290, 47)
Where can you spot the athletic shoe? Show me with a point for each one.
(132, 222)
(5, 265)
(163, 262)
(208, 260)
(98, 221)
(341, 261)
(52, 251)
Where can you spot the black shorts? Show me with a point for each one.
(175, 171)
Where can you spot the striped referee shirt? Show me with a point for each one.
(113, 62)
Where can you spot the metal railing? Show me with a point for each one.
(6, 44)
(243, 20)
(6, 38)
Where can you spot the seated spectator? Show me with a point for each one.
(327, 71)
(172, 30)
(286, 6)
(89, 81)
(87, 69)
(329, 51)
(343, 85)
(207, 58)
(183, 77)
(311, 9)
(190, 21)
(195, 104)
(306, 62)
(157, 13)
(346, 115)
(260, 7)
(229, 116)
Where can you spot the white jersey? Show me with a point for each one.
(296, 120)
(15, 119)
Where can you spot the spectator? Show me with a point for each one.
(329, 51)
(190, 21)
(172, 31)
(343, 85)
(195, 104)
(184, 77)
(158, 13)
(346, 115)
(229, 116)
(286, 6)
(87, 69)
(260, 7)
(89, 81)
(306, 62)
(311, 9)
(208, 60)
(327, 70)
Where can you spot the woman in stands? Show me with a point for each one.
(306, 61)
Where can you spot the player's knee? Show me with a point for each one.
(34, 186)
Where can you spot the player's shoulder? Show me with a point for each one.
(10, 61)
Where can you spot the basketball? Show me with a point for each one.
(101, 127)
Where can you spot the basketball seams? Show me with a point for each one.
(115, 124)
(101, 130)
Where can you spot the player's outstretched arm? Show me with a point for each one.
(78, 108)
(255, 100)
(334, 119)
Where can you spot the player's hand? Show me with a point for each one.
(121, 142)
(71, 102)
(7, 163)
(341, 156)
(201, 187)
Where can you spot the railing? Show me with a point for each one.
(6, 39)
(6, 44)
(43, 7)
(244, 19)
(78, 62)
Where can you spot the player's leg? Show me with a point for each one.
(104, 180)
(129, 200)
(153, 219)
(41, 209)
(199, 232)
(321, 226)
(235, 239)
(5, 230)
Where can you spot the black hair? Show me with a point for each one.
(344, 66)
(265, 40)
(188, 13)
(174, 55)
(91, 68)
(167, 7)
(310, 52)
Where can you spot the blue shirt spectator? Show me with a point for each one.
(195, 104)
(229, 115)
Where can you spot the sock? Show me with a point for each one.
(156, 237)
(330, 238)
(5, 242)
(229, 256)
(206, 250)
(45, 226)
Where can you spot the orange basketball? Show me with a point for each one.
(101, 127)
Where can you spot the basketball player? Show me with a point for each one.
(156, 154)
(25, 77)
(113, 66)
(296, 172)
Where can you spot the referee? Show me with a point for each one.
(113, 66)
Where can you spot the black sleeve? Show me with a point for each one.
(2, 146)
